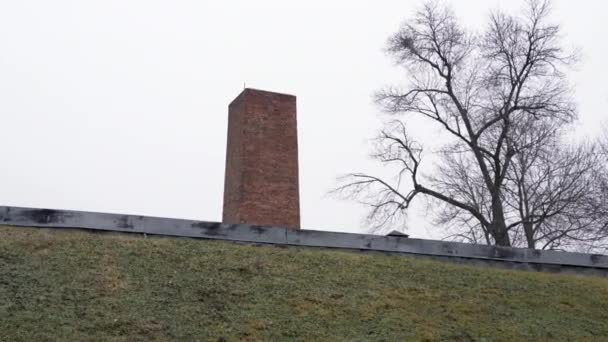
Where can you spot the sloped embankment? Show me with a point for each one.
(72, 285)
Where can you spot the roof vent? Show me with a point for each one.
(397, 233)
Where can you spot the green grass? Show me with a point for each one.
(77, 286)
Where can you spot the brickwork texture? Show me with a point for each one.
(261, 183)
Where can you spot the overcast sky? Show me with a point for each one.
(121, 105)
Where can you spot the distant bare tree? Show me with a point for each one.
(602, 183)
(554, 194)
(552, 199)
(604, 142)
(486, 92)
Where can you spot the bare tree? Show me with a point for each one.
(552, 190)
(604, 144)
(602, 179)
(483, 91)
(551, 195)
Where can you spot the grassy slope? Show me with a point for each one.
(62, 285)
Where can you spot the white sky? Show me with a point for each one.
(121, 105)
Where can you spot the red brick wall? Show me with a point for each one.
(261, 184)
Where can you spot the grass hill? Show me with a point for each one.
(76, 286)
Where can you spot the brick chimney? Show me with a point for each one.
(261, 184)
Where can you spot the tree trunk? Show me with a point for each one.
(498, 227)
(500, 234)
(529, 231)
